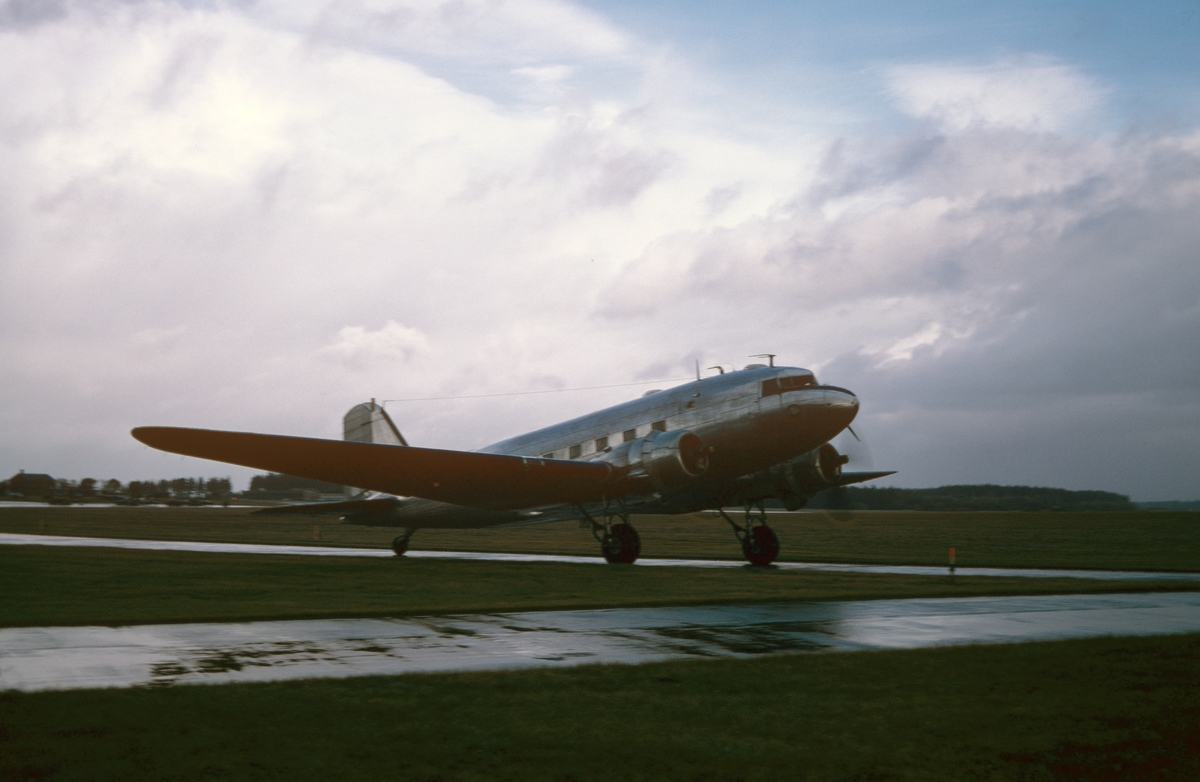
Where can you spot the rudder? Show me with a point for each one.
(370, 423)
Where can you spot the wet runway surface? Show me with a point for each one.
(51, 658)
(12, 539)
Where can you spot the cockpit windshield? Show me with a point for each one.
(778, 385)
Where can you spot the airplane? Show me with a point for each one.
(739, 438)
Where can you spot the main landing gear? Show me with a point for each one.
(400, 544)
(760, 544)
(619, 542)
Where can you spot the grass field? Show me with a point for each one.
(1103, 709)
(45, 585)
(1111, 540)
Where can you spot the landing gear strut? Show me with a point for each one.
(619, 542)
(400, 544)
(759, 542)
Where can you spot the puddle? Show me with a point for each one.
(52, 658)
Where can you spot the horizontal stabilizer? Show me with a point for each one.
(847, 478)
(348, 508)
(479, 480)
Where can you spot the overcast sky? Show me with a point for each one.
(985, 220)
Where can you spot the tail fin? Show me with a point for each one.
(369, 423)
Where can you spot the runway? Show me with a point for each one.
(12, 539)
(59, 658)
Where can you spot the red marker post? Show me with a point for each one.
(952, 560)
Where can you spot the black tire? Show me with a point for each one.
(761, 546)
(622, 545)
(399, 546)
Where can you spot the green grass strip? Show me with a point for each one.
(45, 586)
(1102, 709)
(1137, 540)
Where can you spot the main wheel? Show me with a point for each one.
(761, 546)
(400, 545)
(622, 546)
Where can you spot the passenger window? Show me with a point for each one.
(548, 455)
(659, 426)
(601, 443)
(628, 434)
(576, 450)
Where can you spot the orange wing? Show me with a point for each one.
(479, 480)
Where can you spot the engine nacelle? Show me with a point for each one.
(809, 473)
(660, 461)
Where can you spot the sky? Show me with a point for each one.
(254, 214)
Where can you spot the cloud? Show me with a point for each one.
(611, 170)
(358, 347)
(485, 31)
(1030, 93)
(27, 13)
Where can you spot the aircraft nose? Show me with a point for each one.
(841, 406)
(824, 412)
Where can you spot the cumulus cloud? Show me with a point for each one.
(357, 346)
(481, 30)
(1033, 93)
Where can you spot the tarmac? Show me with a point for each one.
(60, 658)
(13, 539)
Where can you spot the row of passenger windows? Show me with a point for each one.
(601, 443)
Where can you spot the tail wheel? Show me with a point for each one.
(761, 545)
(622, 545)
(400, 545)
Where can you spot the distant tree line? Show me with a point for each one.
(277, 482)
(63, 490)
(973, 498)
(944, 498)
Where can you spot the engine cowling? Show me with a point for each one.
(660, 461)
(809, 473)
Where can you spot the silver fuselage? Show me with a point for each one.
(751, 420)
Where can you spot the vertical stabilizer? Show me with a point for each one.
(369, 423)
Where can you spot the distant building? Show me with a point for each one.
(32, 484)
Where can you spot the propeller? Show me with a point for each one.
(858, 459)
(850, 444)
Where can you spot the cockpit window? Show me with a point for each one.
(778, 385)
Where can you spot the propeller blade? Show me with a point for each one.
(839, 504)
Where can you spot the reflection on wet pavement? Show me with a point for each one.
(12, 539)
(48, 658)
